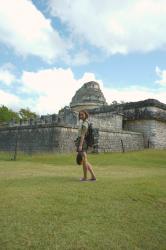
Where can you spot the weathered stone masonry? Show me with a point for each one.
(61, 139)
(40, 138)
(147, 117)
(119, 141)
(154, 132)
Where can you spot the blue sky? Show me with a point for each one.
(49, 49)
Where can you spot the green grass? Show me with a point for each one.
(44, 206)
(144, 158)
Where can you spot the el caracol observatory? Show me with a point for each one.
(89, 96)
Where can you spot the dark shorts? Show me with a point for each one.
(84, 146)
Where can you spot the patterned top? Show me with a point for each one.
(83, 128)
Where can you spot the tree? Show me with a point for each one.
(26, 114)
(114, 103)
(117, 103)
(7, 114)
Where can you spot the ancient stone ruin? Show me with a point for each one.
(117, 127)
(89, 96)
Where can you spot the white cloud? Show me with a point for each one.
(24, 28)
(79, 58)
(162, 75)
(55, 87)
(14, 101)
(133, 94)
(6, 76)
(115, 26)
(9, 100)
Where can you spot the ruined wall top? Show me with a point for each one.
(147, 109)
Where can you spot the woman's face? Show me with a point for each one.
(82, 116)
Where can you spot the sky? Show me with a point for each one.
(50, 48)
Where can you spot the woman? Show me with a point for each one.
(82, 146)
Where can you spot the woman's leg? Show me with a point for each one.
(88, 166)
(84, 165)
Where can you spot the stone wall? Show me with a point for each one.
(145, 113)
(109, 141)
(52, 138)
(39, 138)
(153, 131)
(147, 117)
(107, 121)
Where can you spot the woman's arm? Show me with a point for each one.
(81, 142)
(83, 132)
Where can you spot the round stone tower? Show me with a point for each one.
(89, 96)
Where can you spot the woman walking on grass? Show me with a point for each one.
(82, 146)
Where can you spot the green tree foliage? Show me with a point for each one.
(7, 114)
(26, 114)
(115, 103)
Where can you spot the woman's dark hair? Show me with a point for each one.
(85, 112)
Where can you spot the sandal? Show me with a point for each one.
(92, 179)
(83, 179)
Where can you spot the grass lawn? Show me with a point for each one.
(43, 205)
